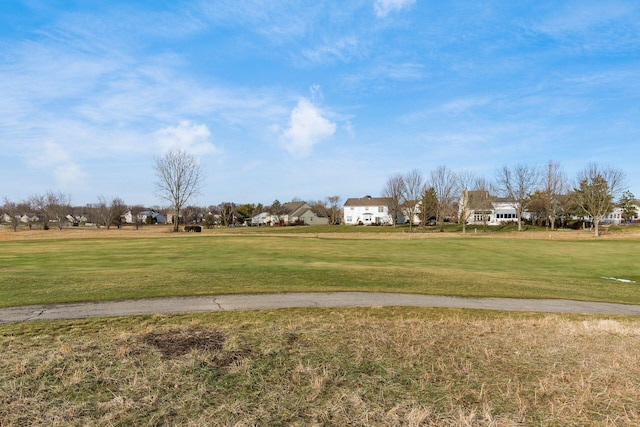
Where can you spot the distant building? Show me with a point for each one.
(367, 210)
(293, 213)
(151, 216)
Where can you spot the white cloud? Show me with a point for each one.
(384, 7)
(307, 127)
(54, 158)
(348, 128)
(186, 136)
(316, 93)
(463, 105)
(344, 50)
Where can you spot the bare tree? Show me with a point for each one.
(12, 212)
(51, 206)
(596, 189)
(110, 213)
(394, 190)
(333, 209)
(59, 206)
(320, 207)
(276, 210)
(481, 201)
(118, 209)
(179, 177)
(465, 183)
(554, 187)
(413, 187)
(517, 185)
(227, 211)
(38, 205)
(100, 212)
(443, 182)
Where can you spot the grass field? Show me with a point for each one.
(91, 267)
(360, 367)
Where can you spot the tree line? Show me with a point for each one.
(545, 193)
(54, 209)
(179, 177)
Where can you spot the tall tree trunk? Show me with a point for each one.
(176, 220)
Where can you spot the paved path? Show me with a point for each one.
(285, 300)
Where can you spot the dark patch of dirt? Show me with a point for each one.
(178, 343)
(295, 340)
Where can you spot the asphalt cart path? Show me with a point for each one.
(291, 300)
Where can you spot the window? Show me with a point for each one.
(380, 208)
(349, 218)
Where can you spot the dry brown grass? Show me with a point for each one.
(358, 233)
(387, 367)
(23, 233)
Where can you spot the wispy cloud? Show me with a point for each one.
(94, 91)
(57, 161)
(462, 105)
(381, 77)
(343, 50)
(592, 26)
(187, 136)
(383, 7)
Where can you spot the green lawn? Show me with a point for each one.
(87, 269)
(355, 366)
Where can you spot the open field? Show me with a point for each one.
(358, 366)
(38, 267)
(381, 367)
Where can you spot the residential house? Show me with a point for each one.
(367, 210)
(484, 209)
(129, 217)
(24, 218)
(264, 218)
(615, 217)
(490, 211)
(412, 208)
(301, 213)
(151, 216)
(293, 213)
(76, 220)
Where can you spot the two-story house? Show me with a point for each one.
(367, 210)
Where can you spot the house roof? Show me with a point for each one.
(368, 201)
(295, 208)
(480, 199)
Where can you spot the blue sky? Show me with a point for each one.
(308, 99)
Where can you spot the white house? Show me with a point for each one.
(486, 210)
(367, 210)
(615, 217)
(263, 218)
(403, 215)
